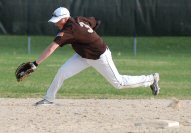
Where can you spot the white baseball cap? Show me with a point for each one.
(58, 14)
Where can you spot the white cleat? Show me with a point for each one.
(155, 87)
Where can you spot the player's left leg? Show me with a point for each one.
(70, 68)
(107, 68)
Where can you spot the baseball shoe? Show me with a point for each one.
(43, 102)
(155, 87)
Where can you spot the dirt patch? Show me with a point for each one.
(93, 116)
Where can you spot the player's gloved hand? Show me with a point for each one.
(24, 70)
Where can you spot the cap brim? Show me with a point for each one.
(55, 19)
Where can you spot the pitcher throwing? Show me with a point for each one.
(91, 51)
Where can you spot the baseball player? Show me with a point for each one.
(91, 51)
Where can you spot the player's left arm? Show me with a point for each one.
(93, 22)
(47, 52)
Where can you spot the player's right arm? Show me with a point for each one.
(60, 40)
(47, 52)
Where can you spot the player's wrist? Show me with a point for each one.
(35, 63)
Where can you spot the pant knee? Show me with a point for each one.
(61, 73)
(64, 73)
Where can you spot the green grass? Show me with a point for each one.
(170, 56)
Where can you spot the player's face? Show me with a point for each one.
(61, 23)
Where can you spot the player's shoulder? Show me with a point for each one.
(69, 23)
(67, 27)
(91, 21)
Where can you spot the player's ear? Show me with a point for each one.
(64, 20)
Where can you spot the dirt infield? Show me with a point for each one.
(94, 116)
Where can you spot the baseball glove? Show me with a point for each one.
(24, 70)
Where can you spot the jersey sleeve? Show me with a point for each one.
(63, 38)
(59, 41)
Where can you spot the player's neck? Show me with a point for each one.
(61, 23)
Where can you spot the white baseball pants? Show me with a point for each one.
(104, 66)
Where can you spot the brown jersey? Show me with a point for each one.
(80, 34)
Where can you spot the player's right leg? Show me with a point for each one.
(72, 67)
(107, 68)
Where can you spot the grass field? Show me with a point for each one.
(170, 56)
